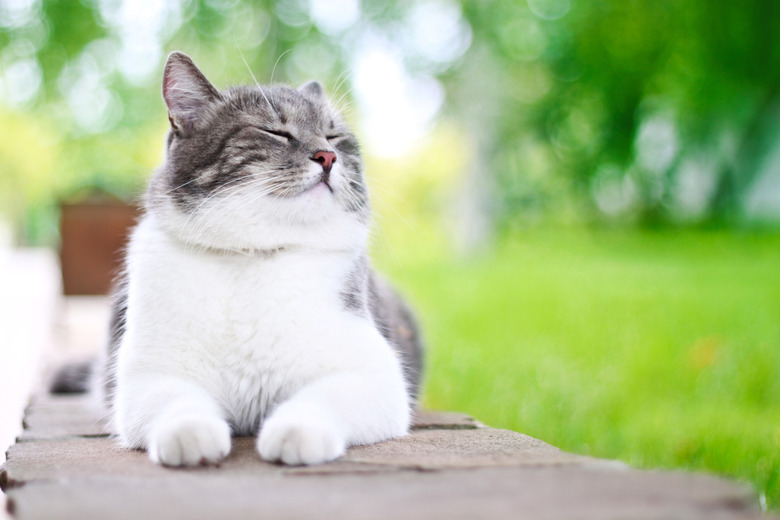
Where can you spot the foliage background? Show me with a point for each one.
(580, 197)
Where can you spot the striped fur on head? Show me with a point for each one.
(251, 140)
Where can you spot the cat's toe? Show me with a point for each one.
(299, 442)
(190, 441)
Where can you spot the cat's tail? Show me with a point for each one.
(73, 378)
(96, 375)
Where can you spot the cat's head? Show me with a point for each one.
(256, 167)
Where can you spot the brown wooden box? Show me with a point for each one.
(93, 235)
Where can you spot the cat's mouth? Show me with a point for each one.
(326, 184)
(320, 185)
(322, 182)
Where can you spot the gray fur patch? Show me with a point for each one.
(116, 331)
(396, 322)
(355, 293)
(366, 294)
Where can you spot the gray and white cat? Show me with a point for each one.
(248, 306)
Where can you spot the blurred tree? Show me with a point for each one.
(659, 111)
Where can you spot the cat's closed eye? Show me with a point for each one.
(279, 133)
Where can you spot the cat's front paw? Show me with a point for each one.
(297, 440)
(189, 440)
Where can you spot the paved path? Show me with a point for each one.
(450, 466)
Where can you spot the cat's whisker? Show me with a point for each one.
(345, 94)
(215, 208)
(257, 84)
(228, 187)
(345, 105)
(246, 64)
(273, 71)
(343, 77)
(346, 110)
(256, 195)
(207, 199)
(180, 186)
(352, 197)
(398, 216)
(379, 191)
(378, 232)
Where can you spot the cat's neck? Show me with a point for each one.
(264, 236)
(261, 254)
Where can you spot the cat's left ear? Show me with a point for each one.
(187, 92)
(313, 89)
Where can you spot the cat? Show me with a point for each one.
(247, 305)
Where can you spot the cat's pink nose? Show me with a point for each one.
(325, 158)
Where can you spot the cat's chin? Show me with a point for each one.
(318, 201)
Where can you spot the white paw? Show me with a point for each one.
(189, 440)
(297, 439)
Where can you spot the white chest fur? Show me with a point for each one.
(250, 331)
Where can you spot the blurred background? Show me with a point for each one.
(582, 199)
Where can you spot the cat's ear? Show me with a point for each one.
(313, 89)
(186, 91)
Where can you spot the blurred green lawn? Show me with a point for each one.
(661, 349)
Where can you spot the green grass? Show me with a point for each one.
(660, 349)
